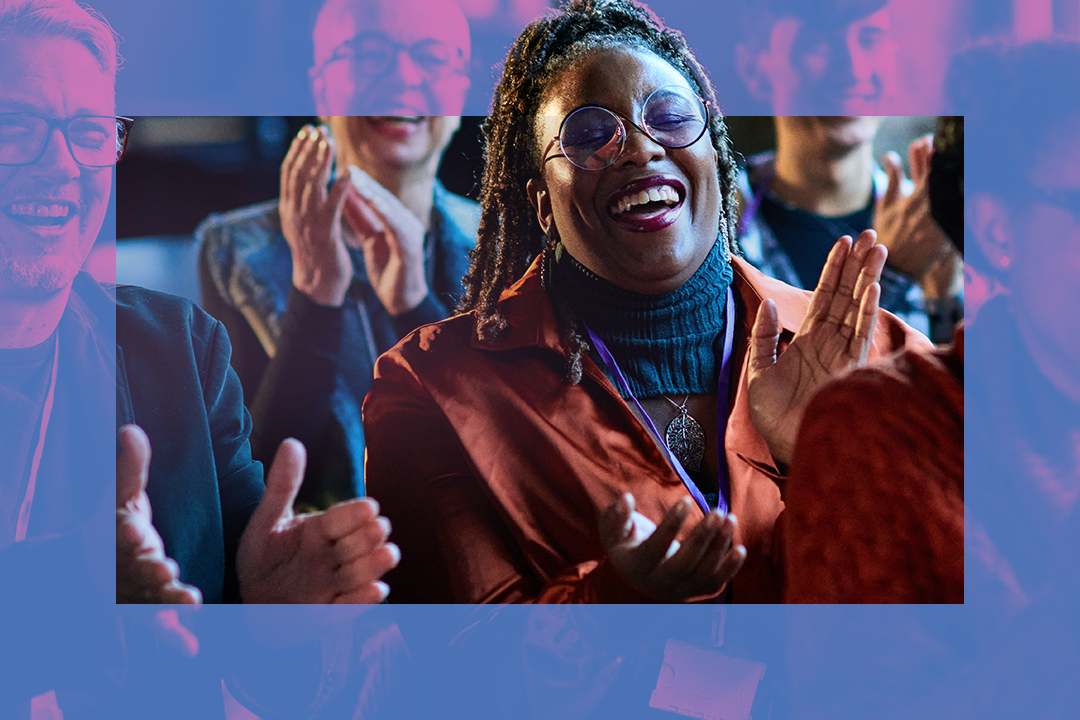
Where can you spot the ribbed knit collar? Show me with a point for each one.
(664, 344)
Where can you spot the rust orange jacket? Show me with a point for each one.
(494, 471)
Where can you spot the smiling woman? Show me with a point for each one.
(515, 448)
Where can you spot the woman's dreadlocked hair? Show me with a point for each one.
(509, 234)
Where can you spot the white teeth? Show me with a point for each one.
(660, 193)
(38, 210)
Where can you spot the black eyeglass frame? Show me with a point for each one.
(622, 121)
(396, 47)
(63, 124)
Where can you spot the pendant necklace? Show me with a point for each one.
(685, 437)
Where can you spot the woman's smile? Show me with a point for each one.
(647, 221)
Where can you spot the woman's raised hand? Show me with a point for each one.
(655, 562)
(835, 337)
(311, 218)
(392, 239)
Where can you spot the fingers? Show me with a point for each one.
(282, 484)
(363, 540)
(919, 152)
(366, 569)
(365, 222)
(731, 564)
(864, 329)
(178, 593)
(720, 560)
(685, 564)
(615, 524)
(854, 264)
(152, 578)
(895, 172)
(347, 517)
(132, 464)
(869, 274)
(400, 221)
(171, 631)
(339, 195)
(311, 152)
(353, 550)
(655, 548)
(822, 299)
(764, 337)
(369, 594)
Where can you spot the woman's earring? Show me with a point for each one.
(1003, 262)
(549, 255)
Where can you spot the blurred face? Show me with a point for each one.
(830, 136)
(846, 70)
(647, 221)
(380, 144)
(50, 211)
(1045, 262)
(404, 58)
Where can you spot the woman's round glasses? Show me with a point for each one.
(592, 137)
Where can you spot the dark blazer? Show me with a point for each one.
(166, 365)
(174, 380)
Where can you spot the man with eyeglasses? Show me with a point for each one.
(383, 57)
(363, 246)
(77, 363)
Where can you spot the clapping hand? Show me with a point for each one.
(652, 559)
(311, 218)
(392, 239)
(835, 337)
(335, 556)
(903, 221)
(143, 573)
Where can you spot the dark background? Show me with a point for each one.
(178, 170)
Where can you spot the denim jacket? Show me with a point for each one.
(246, 272)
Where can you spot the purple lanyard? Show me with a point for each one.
(721, 410)
(758, 194)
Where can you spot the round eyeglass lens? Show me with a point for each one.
(592, 137)
(674, 117)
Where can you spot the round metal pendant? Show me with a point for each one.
(687, 441)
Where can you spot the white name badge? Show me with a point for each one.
(706, 684)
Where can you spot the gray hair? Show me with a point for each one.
(63, 19)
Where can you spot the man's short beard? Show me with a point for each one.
(35, 277)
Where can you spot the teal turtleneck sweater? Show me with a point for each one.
(664, 344)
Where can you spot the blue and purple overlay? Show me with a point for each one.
(1011, 67)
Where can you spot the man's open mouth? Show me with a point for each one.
(40, 213)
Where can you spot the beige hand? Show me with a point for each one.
(335, 556)
(311, 218)
(392, 239)
(143, 573)
(903, 221)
